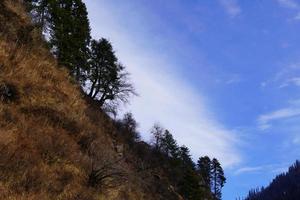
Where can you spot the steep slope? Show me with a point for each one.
(285, 186)
(54, 143)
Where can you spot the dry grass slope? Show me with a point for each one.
(50, 138)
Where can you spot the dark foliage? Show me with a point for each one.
(285, 186)
(8, 93)
(107, 78)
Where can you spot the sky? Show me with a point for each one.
(222, 75)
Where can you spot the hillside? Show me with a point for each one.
(54, 142)
(285, 186)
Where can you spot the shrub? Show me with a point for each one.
(8, 93)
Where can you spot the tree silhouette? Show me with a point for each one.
(169, 145)
(204, 169)
(218, 178)
(107, 77)
(70, 35)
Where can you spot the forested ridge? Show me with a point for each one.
(284, 186)
(59, 91)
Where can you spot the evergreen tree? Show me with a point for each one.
(169, 145)
(70, 35)
(285, 186)
(189, 185)
(204, 169)
(65, 24)
(108, 79)
(185, 157)
(129, 128)
(218, 178)
(39, 11)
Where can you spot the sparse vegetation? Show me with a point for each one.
(55, 141)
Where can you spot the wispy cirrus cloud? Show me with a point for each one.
(232, 8)
(265, 120)
(248, 170)
(164, 96)
(291, 4)
(291, 81)
(288, 75)
(270, 168)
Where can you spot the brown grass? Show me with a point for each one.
(51, 137)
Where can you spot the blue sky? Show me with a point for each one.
(222, 75)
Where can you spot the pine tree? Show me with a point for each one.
(185, 157)
(107, 77)
(39, 11)
(189, 185)
(204, 169)
(70, 35)
(218, 179)
(169, 145)
(129, 128)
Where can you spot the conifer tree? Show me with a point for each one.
(169, 145)
(204, 169)
(107, 77)
(70, 35)
(185, 157)
(129, 128)
(66, 26)
(189, 184)
(218, 178)
(39, 11)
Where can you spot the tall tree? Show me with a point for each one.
(185, 157)
(204, 169)
(39, 11)
(169, 145)
(129, 128)
(218, 178)
(107, 77)
(70, 35)
(189, 185)
(157, 135)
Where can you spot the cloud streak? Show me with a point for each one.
(231, 7)
(163, 95)
(284, 113)
(291, 4)
(248, 170)
(273, 168)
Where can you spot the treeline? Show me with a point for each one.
(93, 64)
(194, 181)
(285, 186)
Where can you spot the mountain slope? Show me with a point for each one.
(285, 186)
(54, 142)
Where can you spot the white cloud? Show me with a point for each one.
(297, 17)
(248, 170)
(296, 140)
(234, 78)
(231, 7)
(293, 5)
(288, 75)
(289, 4)
(163, 95)
(266, 119)
(273, 168)
(291, 81)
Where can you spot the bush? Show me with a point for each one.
(8, 93)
